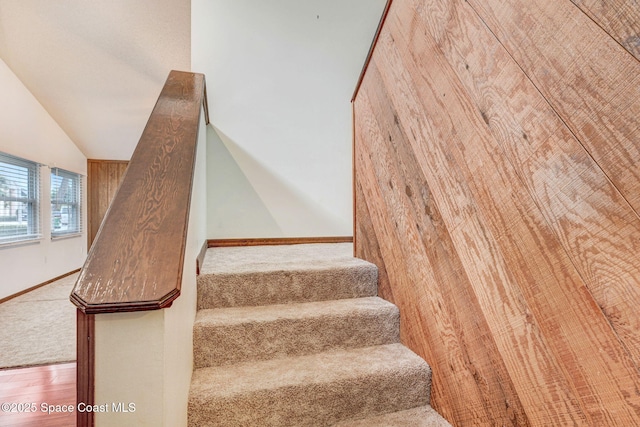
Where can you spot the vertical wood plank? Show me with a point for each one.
(91, 208)
(85, 366)
(104, 178)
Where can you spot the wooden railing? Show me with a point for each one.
(374, 42)
(136, 260)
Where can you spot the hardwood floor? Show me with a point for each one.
(44, 391)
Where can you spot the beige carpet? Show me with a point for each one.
(296, 336)
(39, 327)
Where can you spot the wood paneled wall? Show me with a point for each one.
(103, 180)
(497, 156)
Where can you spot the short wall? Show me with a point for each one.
(146, 358)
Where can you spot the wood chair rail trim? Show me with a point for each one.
(271, 241)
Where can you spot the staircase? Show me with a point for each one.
(296, 336)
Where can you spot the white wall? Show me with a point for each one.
(27, 131)
(280, 76)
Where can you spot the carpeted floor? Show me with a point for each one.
(296, 335)
(39, 327)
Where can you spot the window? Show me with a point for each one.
(66, 198)
(19, 199)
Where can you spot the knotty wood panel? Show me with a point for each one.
(589, 79)
(103, 179)
(466, 353)
(543, 153)
(505, 242)
(619, 18)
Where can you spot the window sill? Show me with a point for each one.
(65, 236)
(22, 242)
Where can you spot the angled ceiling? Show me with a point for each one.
(97, 67)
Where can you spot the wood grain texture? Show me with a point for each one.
(543, 152)
(619, 18)
(136, 261)
(460, 347)
(50, 384)
(510, 251)
(587, 77)
(85, 373)
(103, 179)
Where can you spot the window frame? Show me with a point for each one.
(32, 200)
(73, 203)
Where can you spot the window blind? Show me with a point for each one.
(19, 199)
(66, 202)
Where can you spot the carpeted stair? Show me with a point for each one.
(296, 336)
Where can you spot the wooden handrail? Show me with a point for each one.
(383, 18)
(137, 257)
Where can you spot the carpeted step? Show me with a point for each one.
(314, 390)
(262, 275)
(422, 416)
(232, 335)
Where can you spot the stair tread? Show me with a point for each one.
(292, 311)
(262, 275)
(264, 259)
(230, 335)
(321, 368)
(421, 416)
(299, 338)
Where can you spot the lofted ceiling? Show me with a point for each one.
(96, 66)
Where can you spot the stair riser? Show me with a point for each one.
(316, 404)
(222, 345)
(282, 287)
(422, 416)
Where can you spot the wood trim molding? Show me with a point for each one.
(271, 241)
(200, 258)
(205, 105)
(137, 258)
(353, 176)
(124, 162)
(85, 370)
(371, 48)
(33, 288)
